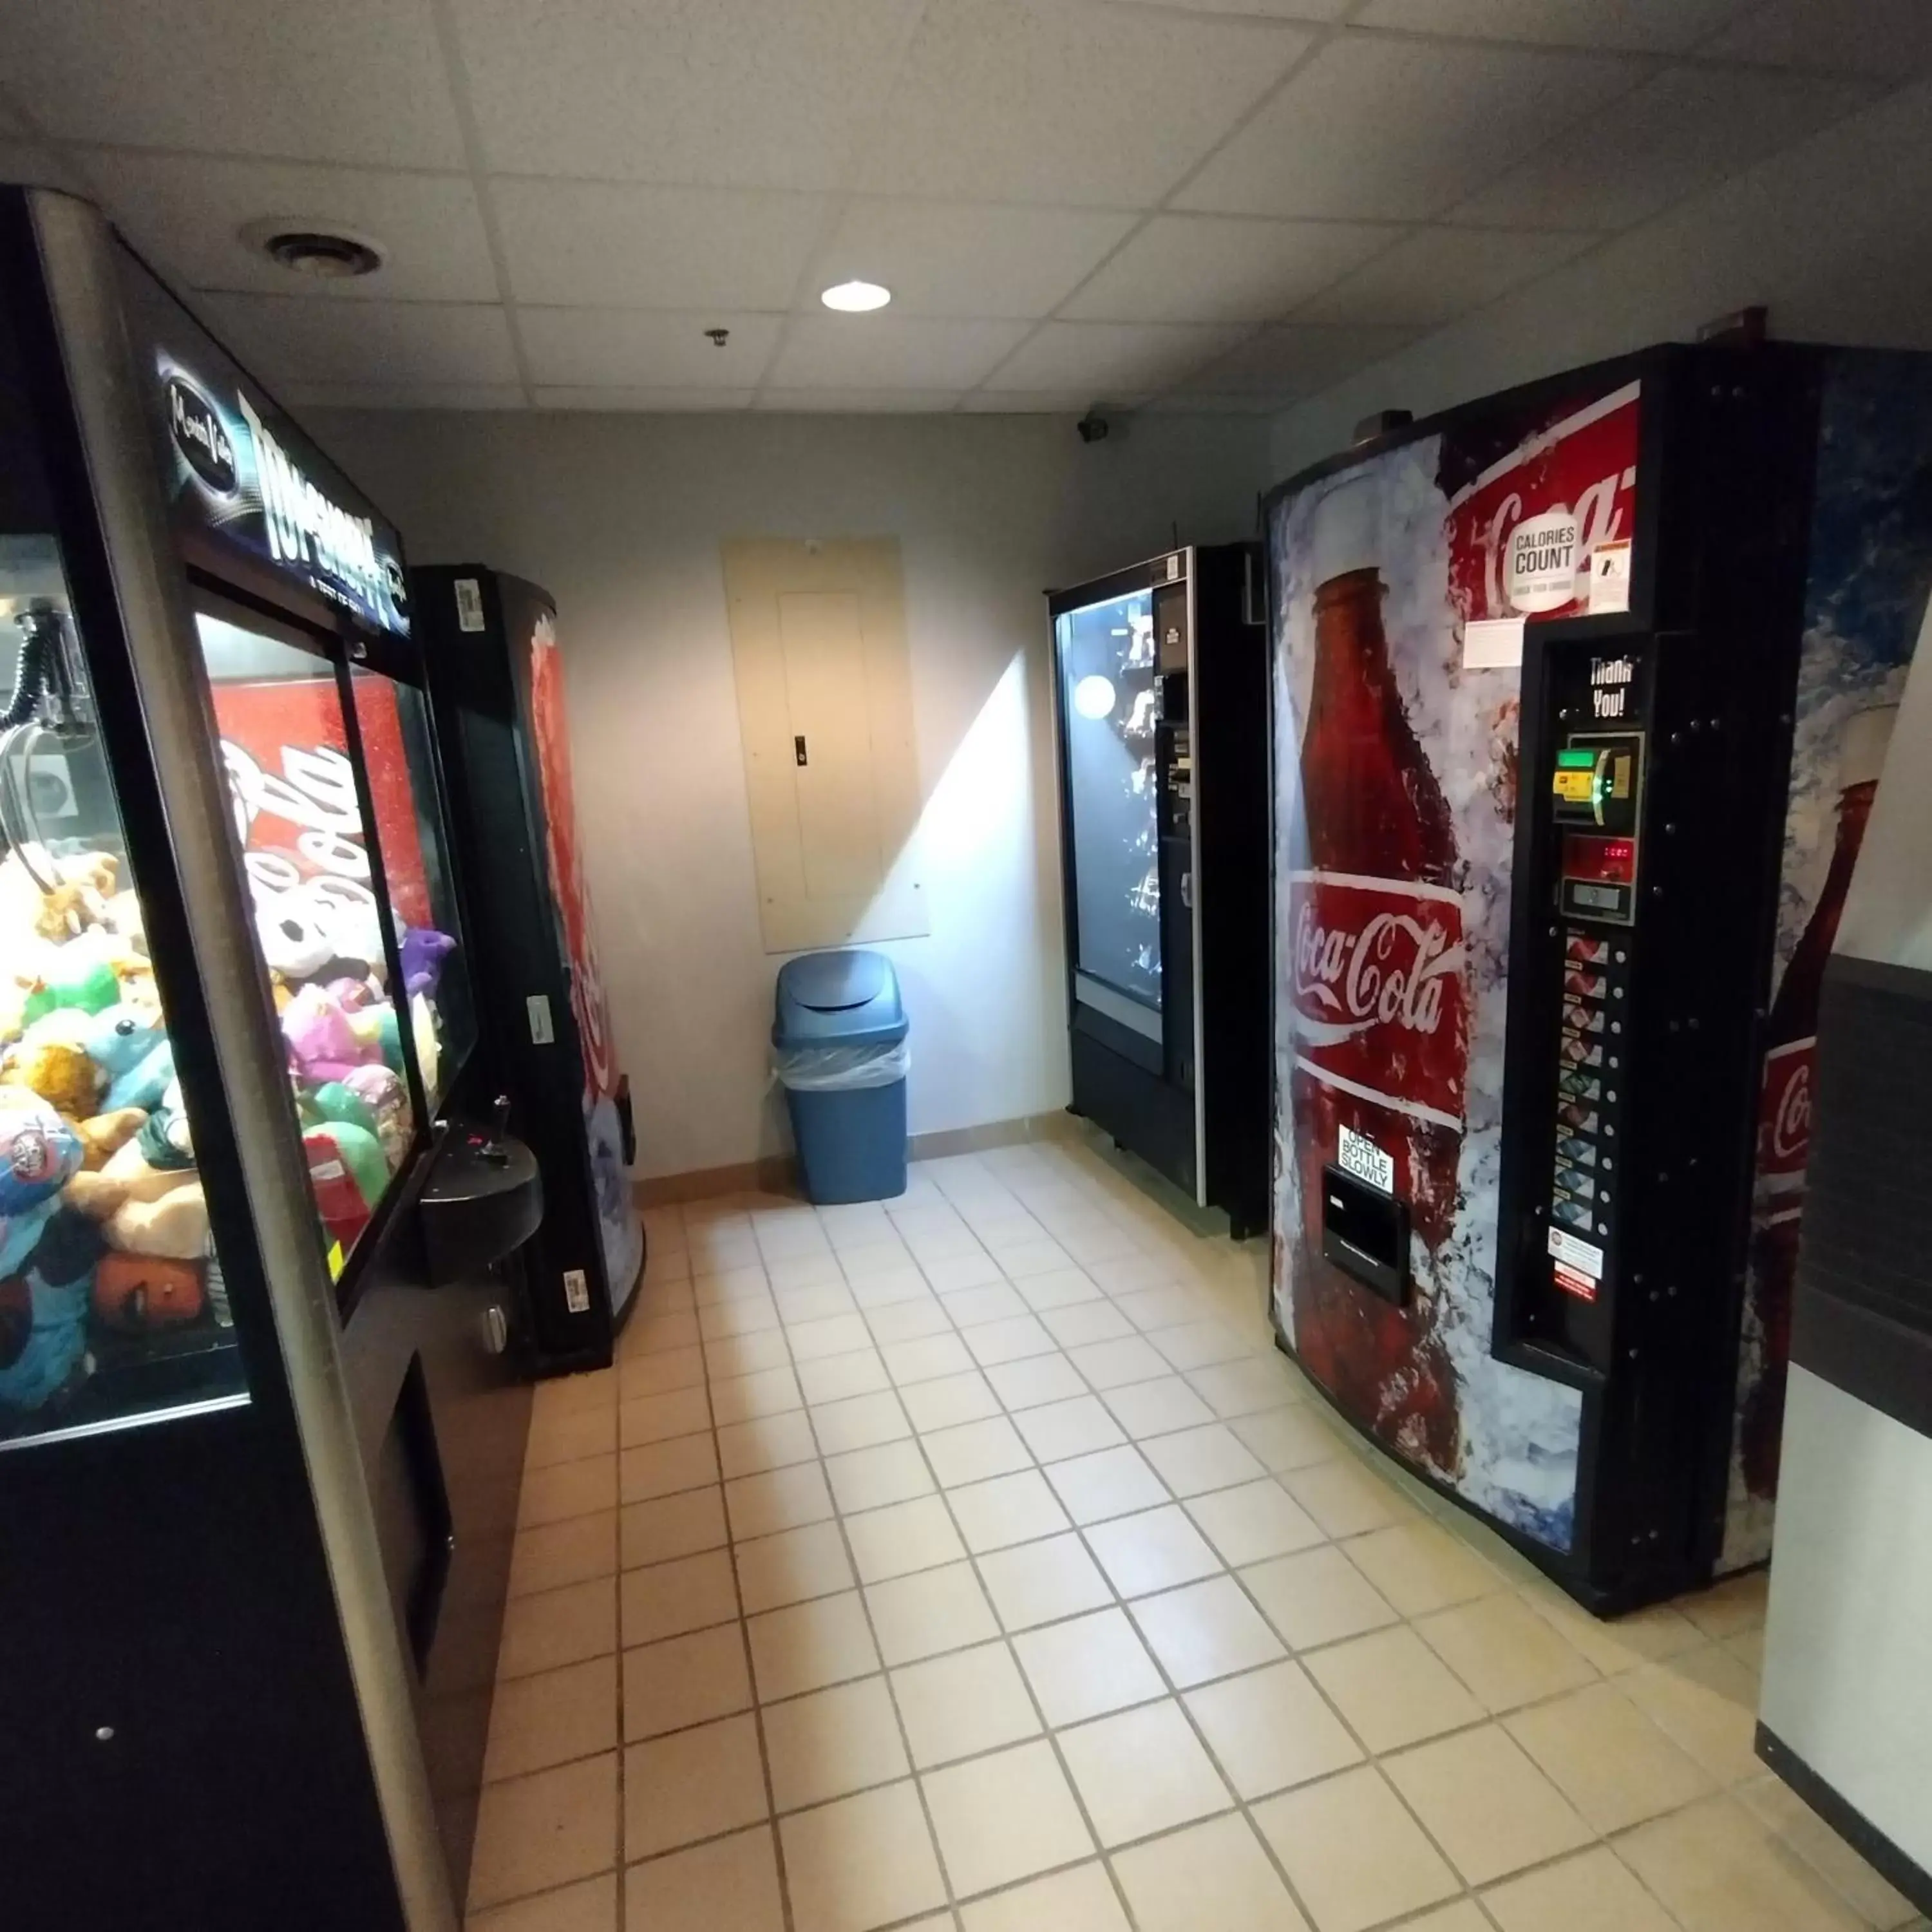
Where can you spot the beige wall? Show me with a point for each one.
(1835, 235)
(620, 518)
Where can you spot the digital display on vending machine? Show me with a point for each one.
(1608, 861)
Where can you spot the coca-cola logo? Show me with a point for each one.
(1785, 1115)
(1393, 970)
(1791, 1129)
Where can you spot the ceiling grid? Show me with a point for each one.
(1184, 204)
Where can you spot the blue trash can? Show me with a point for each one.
(838, 1041)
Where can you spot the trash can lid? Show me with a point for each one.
(832, 982)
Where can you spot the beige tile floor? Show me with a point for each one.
(973, 1561)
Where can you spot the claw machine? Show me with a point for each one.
(253, 1310)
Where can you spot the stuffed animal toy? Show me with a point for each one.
(353, 921)
(89, 986)
(16, 1320)
(294, 942)
(64, 1247)
(103, 1134)
(348, 1173)
(124, 918)
(381, 1091)
(155, 1161)
(136, 1293)
(428, 1045)
(39, 1153)
(324, 1042)
(64, 1076)
(424, 950)
(336, 1100)
(174, 1227)
(130, 1045)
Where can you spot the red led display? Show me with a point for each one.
(1611, 861)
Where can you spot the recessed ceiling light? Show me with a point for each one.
(328, 253)
(855, 297)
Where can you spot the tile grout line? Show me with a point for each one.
(776, 1838)
(1505, 1583)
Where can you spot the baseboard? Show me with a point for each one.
(948, 1140)
(775, 1174)
(778, 1174)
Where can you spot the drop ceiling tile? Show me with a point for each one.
(1656, 26)
(860, 402)
(24, 164)
(1106, 357)
(310, 339)
(632, 246)
(967, 258)
(1067, 101)
(1378, 129)
(1296, 360)
(650, 401)
(1437, 273)
(644, 349)
(185, 213)
(1317, 12)
(1187, 402)
(355, 80)
(1888, 39)
(1216, 268)
(1042, 402)
(744, 93)
(1685, 130)
(889, 352)
(300, 396)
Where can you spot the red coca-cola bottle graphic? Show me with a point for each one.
(1784, 1107)
(1380, 1023)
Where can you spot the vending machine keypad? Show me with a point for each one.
(1596, 797)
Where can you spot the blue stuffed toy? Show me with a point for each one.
(59, 1248)
(130, 1046)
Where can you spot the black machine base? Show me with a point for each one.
(1903, 1872)
(1146, 1114)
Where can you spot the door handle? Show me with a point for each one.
(798, 748)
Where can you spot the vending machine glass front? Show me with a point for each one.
(1110, 702)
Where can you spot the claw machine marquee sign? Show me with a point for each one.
(238, 470)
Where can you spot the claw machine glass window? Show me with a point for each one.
(111, 1304)
(1107, 673)
(357, 930)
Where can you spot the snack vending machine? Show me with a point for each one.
(496, 672)
(1161, 690)
(1580, 694)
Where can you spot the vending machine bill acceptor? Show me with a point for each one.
(1579, 697)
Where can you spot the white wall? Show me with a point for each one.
(1835, 235)
(620, 518)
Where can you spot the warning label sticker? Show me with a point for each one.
(1583, 1258)
(1572, 1282)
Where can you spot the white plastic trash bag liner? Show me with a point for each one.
(841, 1070)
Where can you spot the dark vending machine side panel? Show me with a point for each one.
(495, 677)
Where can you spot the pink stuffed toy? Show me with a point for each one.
(322, 1044)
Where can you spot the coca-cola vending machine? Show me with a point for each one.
(1580, 694)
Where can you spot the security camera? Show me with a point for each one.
(1093, 426)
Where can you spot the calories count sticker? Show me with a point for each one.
(1541, 572)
